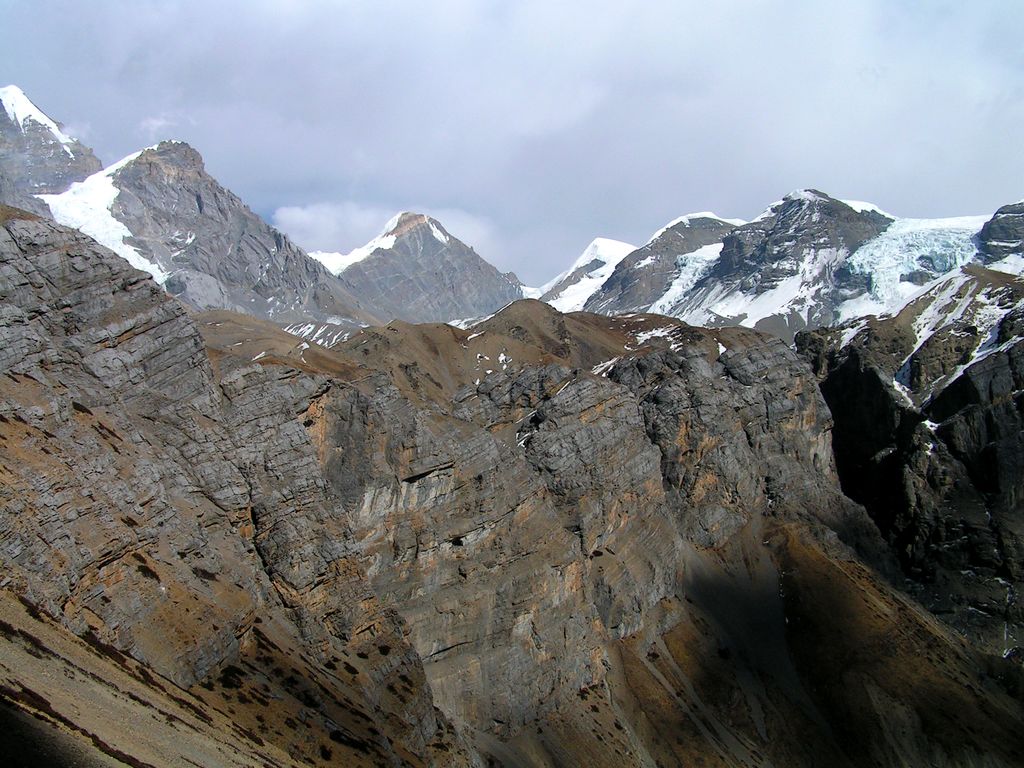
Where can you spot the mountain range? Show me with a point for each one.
(747, 495)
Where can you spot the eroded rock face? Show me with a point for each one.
(166, 508)
(588, 540)
(618, 547)
(929, 437)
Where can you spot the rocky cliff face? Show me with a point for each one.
(36, 156)
(418, 272)
(1003, 234)
(174, 512)
(584, 539)
(928, 437)
(601, 531)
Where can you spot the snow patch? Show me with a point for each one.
(607, 253)
(440, 236)
(808, 195)
(644, 336)
(862, 207)
(851, 332)
(86, 206)
(689, 218)
(603, 369)
(692, 267)
(1013, 264)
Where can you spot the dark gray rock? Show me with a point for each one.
(1003, 234)
(807, 236)
(929, 437)
(645, 275)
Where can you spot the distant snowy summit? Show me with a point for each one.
(37, 156)
(569, 291)
(160, 210)
(417, 271)
(809, 260)
(397, 225)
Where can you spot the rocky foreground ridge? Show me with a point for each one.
(546, 540)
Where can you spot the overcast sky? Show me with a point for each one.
(529, 128)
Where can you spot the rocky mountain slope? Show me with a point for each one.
(545, 540)
(640, 279)
(808, 261)
(929, 437)
(416, 271)
(36, 155)
(167, 507)
(159, 209)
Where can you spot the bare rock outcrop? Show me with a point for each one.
(177, 513)
(929, 437)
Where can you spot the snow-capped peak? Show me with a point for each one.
(395, 227)
(605, 250)
(689, 218)
(19, 109)
(337, 263)
(605, 254)
(808, 195)
(393, 223)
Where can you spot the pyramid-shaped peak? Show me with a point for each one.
(409, 222)
(21, 110)
(406, 221)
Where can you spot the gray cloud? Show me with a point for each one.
(544, 124)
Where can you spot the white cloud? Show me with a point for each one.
(549, 122)
(331, 226)
(155, 127)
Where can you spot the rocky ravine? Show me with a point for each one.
(585, 539)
